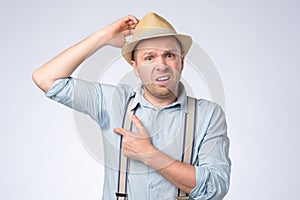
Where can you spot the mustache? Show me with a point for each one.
(156, 69)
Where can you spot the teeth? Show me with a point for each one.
(163, 78)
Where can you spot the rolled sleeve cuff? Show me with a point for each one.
(211, 183)
(58, 90)
(204, 188)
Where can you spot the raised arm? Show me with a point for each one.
(64, 64)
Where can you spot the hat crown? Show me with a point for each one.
(152, 24)
(154, 21)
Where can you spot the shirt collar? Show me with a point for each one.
(139, 98)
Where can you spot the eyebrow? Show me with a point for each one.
(148, 52)
(164, 50)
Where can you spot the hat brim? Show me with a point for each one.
(185, 40)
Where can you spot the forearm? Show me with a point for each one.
(138, 146)
(64, 64)
(180, 174)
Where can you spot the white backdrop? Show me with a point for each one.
(254, 45)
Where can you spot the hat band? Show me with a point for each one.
(154, 32)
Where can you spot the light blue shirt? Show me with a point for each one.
(106, 105)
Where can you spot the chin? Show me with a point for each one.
(160, 92)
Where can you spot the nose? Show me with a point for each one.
(161, 67)
(161, 60)
(161, 64)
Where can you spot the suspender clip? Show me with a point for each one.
(121, 194)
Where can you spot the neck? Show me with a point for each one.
(160, 102)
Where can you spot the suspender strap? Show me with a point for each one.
(187, 147)
(188, 139)
(124, 162)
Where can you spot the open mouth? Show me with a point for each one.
(163, 78)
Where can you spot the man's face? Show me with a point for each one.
(159, 63)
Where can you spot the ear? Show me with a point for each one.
(134, 66)
(182, 61)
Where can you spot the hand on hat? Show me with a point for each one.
(118, 31)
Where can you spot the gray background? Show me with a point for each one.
(254, 45)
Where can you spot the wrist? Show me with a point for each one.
(150, 156)
(157, 160)
(100, 37)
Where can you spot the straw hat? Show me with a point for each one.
(153, 26)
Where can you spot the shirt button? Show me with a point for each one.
(152, 187)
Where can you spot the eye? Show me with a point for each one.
(148, 58)
(170, 55)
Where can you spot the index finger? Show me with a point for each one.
(139, 125)
(132, 18)
(119, 131)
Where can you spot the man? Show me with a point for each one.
(154, 145)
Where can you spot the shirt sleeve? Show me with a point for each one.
(80, 95)
(213, 163)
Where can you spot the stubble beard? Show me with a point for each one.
(163, 92)
(158, 91)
